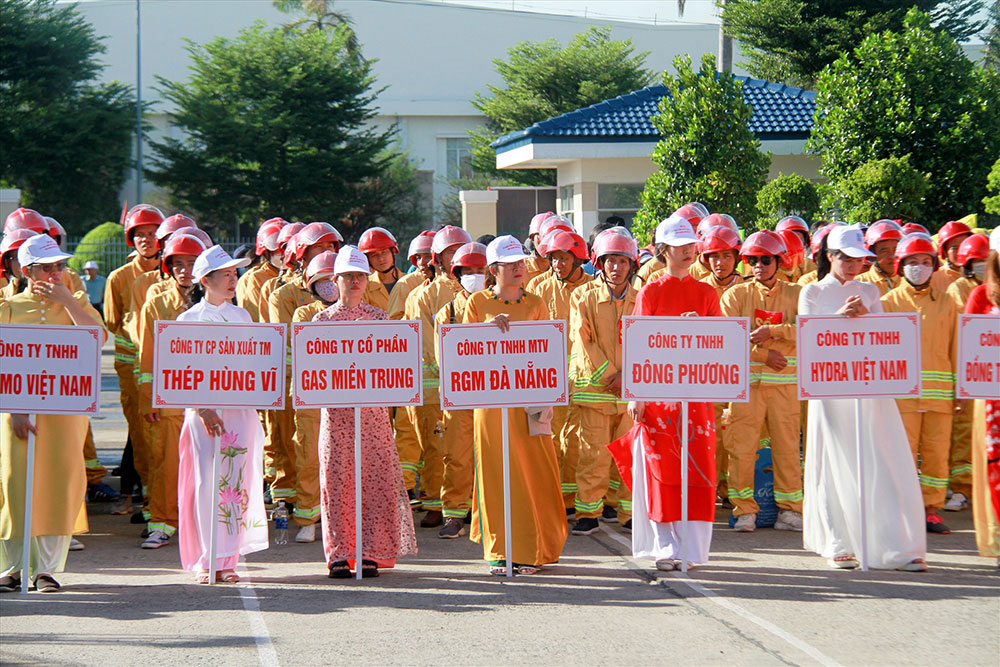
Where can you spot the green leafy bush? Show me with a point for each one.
(788, 194)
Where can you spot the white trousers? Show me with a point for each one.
(48, 555)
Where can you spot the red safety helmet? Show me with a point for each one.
(763, 243)
(554, 222)
(817, 239)
(55, 230)
(536, 222)
(313, 233)
(569, 242)
(794, 223)
(795, 250)
(882, 230)
(951, 230)
(173, 224)
(12, 241)
(470, 255)
(291, 250)
(717, 239)
(320, 266)
(142, 214)
(448, 236)
(267, 235)
(420, 245)
(716, 220)
(543, 241)
(976, 246)
(287, 232)
(693, 211)
(199, 234)
(181, 244)
(25, 218)
(912, 227)
(377, 238)
(915, 244)
(610, 242)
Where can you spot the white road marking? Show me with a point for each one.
(742, 612)
(265, 648)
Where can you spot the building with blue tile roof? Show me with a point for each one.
(601, 152)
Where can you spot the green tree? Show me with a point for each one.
(104, 244)
(273, 121)
(793, 40)
(911, 93)
(991, 204)
(992, 37)
(788, 194)
(64, 141)
(546, 79)
(392, 199)
(320, 15)
(889, 188)
(707, 152)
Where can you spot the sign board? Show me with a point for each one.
(978, 372)
(219, 365)
(50, 369)
(686, 359)
(484, 367)
(356, 364)
(859, 357)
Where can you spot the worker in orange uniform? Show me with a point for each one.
(595, 325)
(972, 256)
(287, 272)
(928, 419)
(179, 256)
(423, 305)
(146, 281)
(693, 212)
(882, 238)
(269, 263)
(319, 280)
(949, 239)
(469, 268)
(379, 246)
(537, 263)
(567, 253)
(794, 258)
(700, 269)
(311, 240)
(796, 224)
(407, 442)
(771, 304)
(140, 233)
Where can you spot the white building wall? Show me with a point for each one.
(431, 58)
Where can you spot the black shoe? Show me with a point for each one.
(340, 570)
(936, 525)
(414, 498)
(609, 515)
(627, 526)
(570, 513)
(468, 519)
(586, 526)
(452, 528)
(726, 504)
(432, 519)
(137, 517)
(116, 471)
(101, 493)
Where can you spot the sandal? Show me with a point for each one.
(915, 565)
(843, 562)
(498, 570)
(668, 564)
(340, 570)
(227, 577)
(369, 568)
(46, 584)
(201, 577)
(525, 569)
(10, 583)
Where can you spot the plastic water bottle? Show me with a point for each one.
(280, 516)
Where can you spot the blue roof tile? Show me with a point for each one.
(779, 112)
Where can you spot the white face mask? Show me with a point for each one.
(917, 274)
(979, 270)
(276, 260)
(473, 282)
(328, 291)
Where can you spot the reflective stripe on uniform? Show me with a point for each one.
(163, 528)
(92, 464)
(963, 469)
(743, 494)
(933, 482)
(581, 506)
(794, 496)
(306, 513)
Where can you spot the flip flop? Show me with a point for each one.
(227, 577)
(843, 562)
(201, 577)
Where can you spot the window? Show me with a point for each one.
(458, 158)
(566, 193)
(621, 199)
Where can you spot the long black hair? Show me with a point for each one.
(19, 280)
(823, 264)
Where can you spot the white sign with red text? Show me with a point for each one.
(686, 359)
(50, 369)
(356, 364)
(219, 365)
(858, 357)
(484, 367)
(978, 371)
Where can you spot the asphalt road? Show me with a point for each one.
(761, 600)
